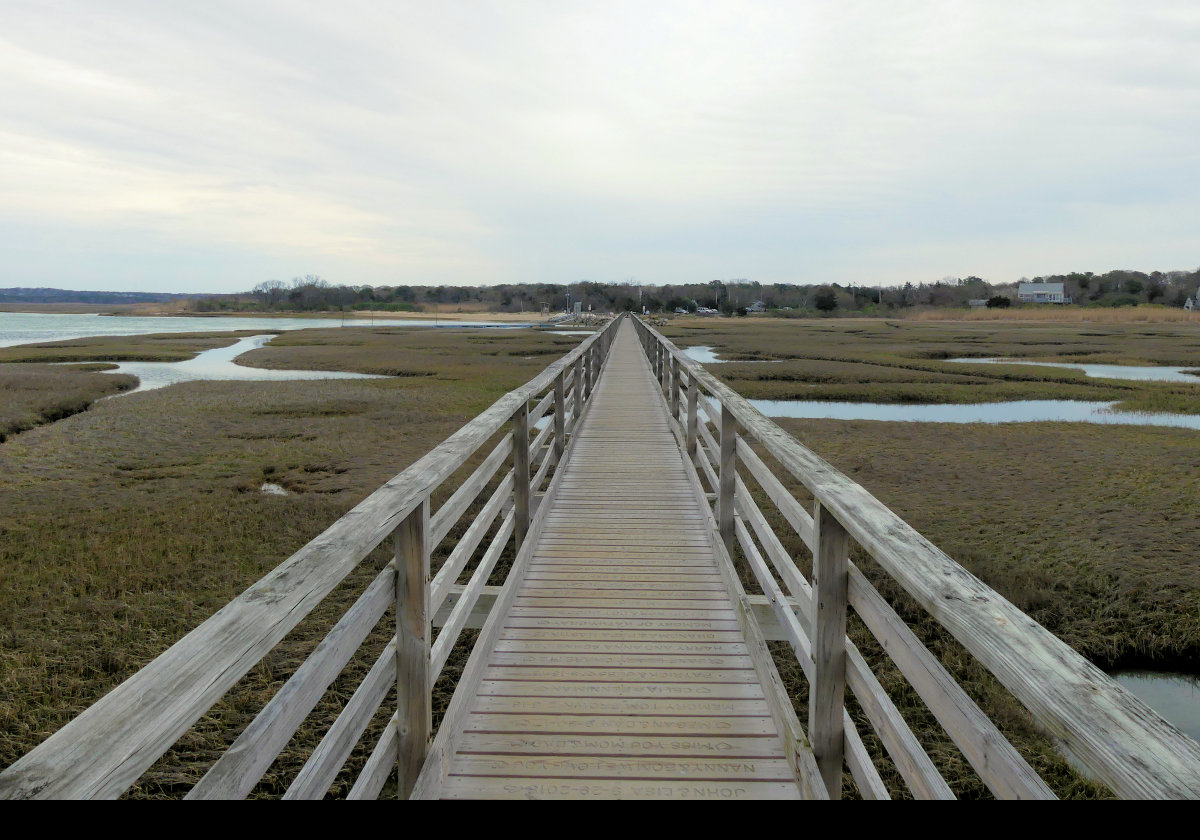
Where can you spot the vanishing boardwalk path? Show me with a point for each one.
(620, 669)
(661, 530)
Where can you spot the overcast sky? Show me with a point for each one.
(207, 146)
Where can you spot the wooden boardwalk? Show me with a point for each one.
(620, 669)
(622, 657)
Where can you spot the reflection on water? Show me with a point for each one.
(1020, 411)
(702, 354)
(35, 327)
(218, 364)
(1174, 696)
(1155, 373)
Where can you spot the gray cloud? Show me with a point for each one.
(151, 145)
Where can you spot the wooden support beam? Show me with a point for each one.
(674, 386)
(726, 480)
(521, 471)
(414, 715)
(560, 415)
(577, 410)
(693, 400)
(827, 693)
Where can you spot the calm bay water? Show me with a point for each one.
(31, 328)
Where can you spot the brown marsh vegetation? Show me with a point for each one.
(31, 395)
(868, 360)
(1090, 529)
(124, 527)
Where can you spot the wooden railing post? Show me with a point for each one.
(826, 697)
(414, 715)
(560, 410)
(665, 375)
(521, 472)
(578, 393)
(675, 387)
(693, 405)
(726, 478)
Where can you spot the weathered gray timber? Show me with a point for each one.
(577, 656)
(622, 656)
(103, 751)
(1112, 735)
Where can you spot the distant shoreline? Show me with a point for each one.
(156, 310)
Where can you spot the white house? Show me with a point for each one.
(1042, 293)
(1190, 303)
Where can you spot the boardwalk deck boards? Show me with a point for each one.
(638, 682)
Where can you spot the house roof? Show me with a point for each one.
(1027, 288)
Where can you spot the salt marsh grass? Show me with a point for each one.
(124, 527)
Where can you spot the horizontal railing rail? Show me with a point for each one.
(109, 746)
(1104, 730)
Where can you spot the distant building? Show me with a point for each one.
(977, 304)
(1190, 303)
(1042, 293)
(757, 306)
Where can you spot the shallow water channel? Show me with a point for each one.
(1174, 696)
(1142, 373)
(1016, 411)
(219, 364)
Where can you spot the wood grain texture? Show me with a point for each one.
(621, 628)
(414, 713)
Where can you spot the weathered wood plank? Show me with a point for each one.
(521, 471)
(628, 767)
(828, 649)
(466, 787)
(454, 625)
(464, 550)
(641, 746)
(640, 691)
(1104, 728)
(238, 770)
(318, 773)
(414, 683)
(454, 507)
(379, 764)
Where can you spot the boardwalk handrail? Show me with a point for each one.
(1108, 732)
(107, 748)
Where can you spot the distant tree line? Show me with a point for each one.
(315, 294)
(42, 295)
